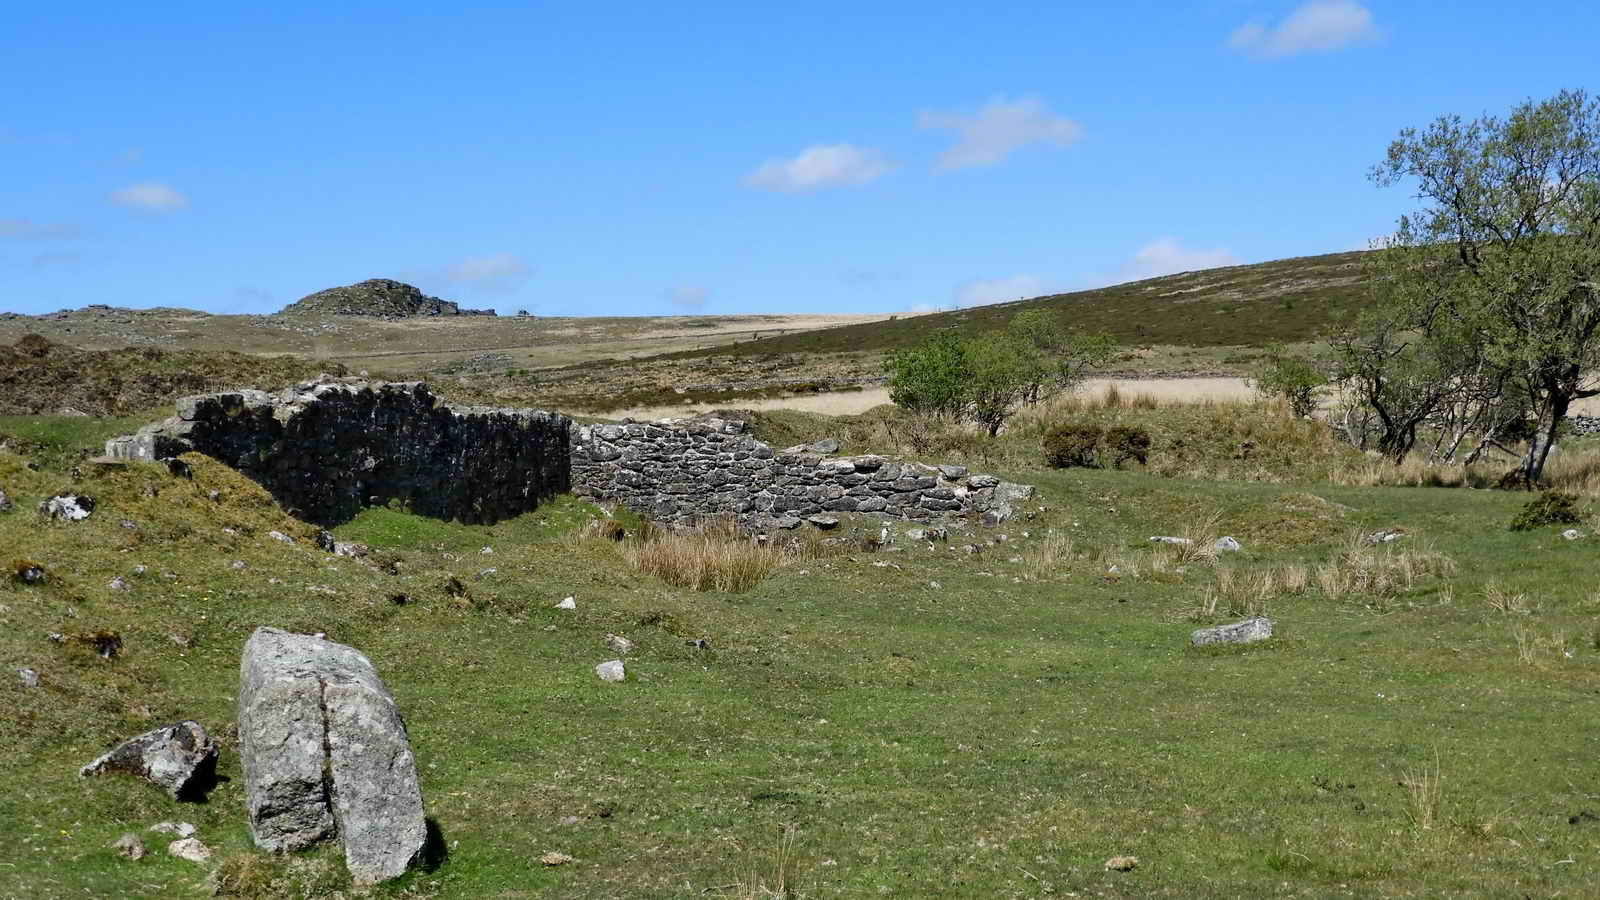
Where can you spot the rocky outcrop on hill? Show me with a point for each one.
(380, 297)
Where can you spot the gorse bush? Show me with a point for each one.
(1093, 447)
(1549, 508)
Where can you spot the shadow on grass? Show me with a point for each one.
(434, 849)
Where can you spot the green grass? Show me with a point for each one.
(866, 733)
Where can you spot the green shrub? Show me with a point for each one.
(1549, 508)
(1125, 443)
(1068, 446)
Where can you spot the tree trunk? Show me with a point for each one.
(1544, 437)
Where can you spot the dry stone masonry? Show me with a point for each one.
(681, 470)
(329, 447)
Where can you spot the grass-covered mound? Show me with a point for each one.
(998, 721)
(37, 376)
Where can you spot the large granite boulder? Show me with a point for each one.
(324, 751)
(179, 758)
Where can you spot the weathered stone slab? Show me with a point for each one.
(1245, 632)
(179, 758)
(324, 750)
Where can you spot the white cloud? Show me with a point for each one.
(688, 296)
(1317, 26)
(983, 291)
(493, 273)
(1163, 256)
(820, 166)
(999, 128)
(150, 196)
(29, 230)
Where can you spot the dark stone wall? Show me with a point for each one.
(328, 448)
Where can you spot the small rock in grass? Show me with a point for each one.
(618, 644)
(1227, 544)
(570, 820)
(1122, 863)
(190, 849)
(935, 585)
(485, 573)
(67, 507)
(1571, 534)
(29, 677)
(1244, 632)
(280, 536)
(611, 670)
(181, 829)
(699, 643)
(824, 522)
(786, 522)
(129, 524)
(487, 551)
(554, 858)
(5, 502)
(320, 589)
(184, 641)
(568, 603)
(175, 757)
(1386, 536)
(129, 847)
(117, 584)
(140, 569)
(238, 565)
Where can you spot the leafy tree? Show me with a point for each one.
(1290, 377)
(931, 379)
(1003, 371)
(1504, 256)
(1070, 355)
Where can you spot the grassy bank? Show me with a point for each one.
(905, 722)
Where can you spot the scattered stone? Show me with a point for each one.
(952, 472)
(570, 820)
(280, 536)
(485, 573)
(1571, 534)
(618, 644)
(786, 522)
(935, 585)
(30, 573)
(67, 507)
(915, 534)
(180, 758)
(1228, 545)
(238, 565)
(181, 829)
(320, 736)
(824, 522)
(1122, 863)
(1386, 536)
(611, 670)
(1243, 632)
(117, 584)
(487, 551)
(351, 549)
(274, 580)
(29, 677)
(1170, 540)
(699, 643)
(190, 849)
(568, 603)
(826, 445)
(183, 641)
(5, 502)
(140, 569)
(129, 525)
(553, 858)
(214, 496)
(129, 847)
(320, 589)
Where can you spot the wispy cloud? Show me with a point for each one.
(998, 129)
(1314, 27)
(149, 196)
(1163, 256)
(984, 291)
(64, 259)
(691, 297)
(493, 274)
(820, 166)
(29, 230)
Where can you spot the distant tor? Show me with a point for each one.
(378, 297)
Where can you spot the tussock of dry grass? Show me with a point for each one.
(717, 556)
(1378, 572)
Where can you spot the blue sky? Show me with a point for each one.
(622, 159)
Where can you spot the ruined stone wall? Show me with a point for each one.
(682, 470)
(327, 448)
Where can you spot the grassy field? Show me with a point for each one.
(918, 720)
